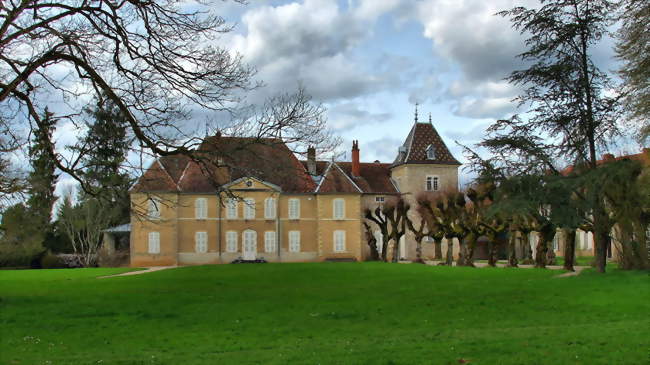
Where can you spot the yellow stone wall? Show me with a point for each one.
(166, 226)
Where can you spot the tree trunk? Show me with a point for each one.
(396, 251)
(492, 253)
(450, 251)
(462, 246)
(418, 251)
(528, 251)
(569, 249)
(540, 252)
(438, 249)
(384, 247)
(512, 249)
(471, 247)
(601, 238)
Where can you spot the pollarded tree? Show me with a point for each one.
(568, 112)
(372, 242)
(378, 217)
(396, 212)
(419, 233)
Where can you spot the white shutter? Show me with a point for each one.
(294, 208)
(339, 241)
(231, 241)
(269, 241)
(154, 242)
(201, 242)
(201, 208)
(294, 241)
(269, 208)
(231, 209)
(249, 208)
(339, 209)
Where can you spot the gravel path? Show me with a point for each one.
(138, 272)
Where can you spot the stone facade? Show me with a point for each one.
(183, 215)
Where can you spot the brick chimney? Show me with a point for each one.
(311, 160)
(608, 157)
(356, 168)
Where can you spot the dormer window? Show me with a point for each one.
(431, 153)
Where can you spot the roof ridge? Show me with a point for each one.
(162, 166)
(346, 175)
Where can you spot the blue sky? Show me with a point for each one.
(370, 61)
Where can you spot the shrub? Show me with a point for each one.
(117, 259)
(20, 255)
(50, 261)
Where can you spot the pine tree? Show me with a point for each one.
(107, 145)
(42, 179)
(569, 114)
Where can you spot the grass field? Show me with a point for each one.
(347, 313)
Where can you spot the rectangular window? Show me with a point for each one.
(201, 242)
(269, 208)
(380, 199)
(231, 209)
(269, 241)
(294, 241)
(231, 241)
(249, 208)
(339, 241)
(432, 184)
(201, 208)
(153, 210)
(294, 208)
(339, 209)
(154, 242)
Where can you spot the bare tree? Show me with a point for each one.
(156, 61)
(83, 224)
(378, 217)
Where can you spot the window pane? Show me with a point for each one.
(269, 241)
(231, 241)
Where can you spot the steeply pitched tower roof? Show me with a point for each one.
(414, 149)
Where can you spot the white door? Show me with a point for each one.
(250, 245)
(402, 248)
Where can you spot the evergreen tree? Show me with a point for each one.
(569, 115)
(42, 179)
(107, 145)
(633, 49)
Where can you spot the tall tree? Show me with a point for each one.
(42, 179)
(568, 114)
(156, 61)
(106, 145)
(633, 48)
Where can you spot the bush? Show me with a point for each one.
(71, 260)
(50, 261)
(25, 254)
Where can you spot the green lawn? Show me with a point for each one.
(346, 313)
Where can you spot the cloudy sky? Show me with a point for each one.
(370, 61)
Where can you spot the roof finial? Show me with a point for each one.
(430, 122)
(416, 111)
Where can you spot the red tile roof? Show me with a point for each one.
(228, 159)
(643, 157)
(421, 136)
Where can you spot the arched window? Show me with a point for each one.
(269, 208)
(201, 208)
(339, 208)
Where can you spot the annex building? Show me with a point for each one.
(258, 200)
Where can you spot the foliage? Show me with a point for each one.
(42, 179)
(633, 48)
(21, 242)
(485, 316)
(51, 261)
(104, 149)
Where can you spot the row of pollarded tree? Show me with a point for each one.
(506, 211)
